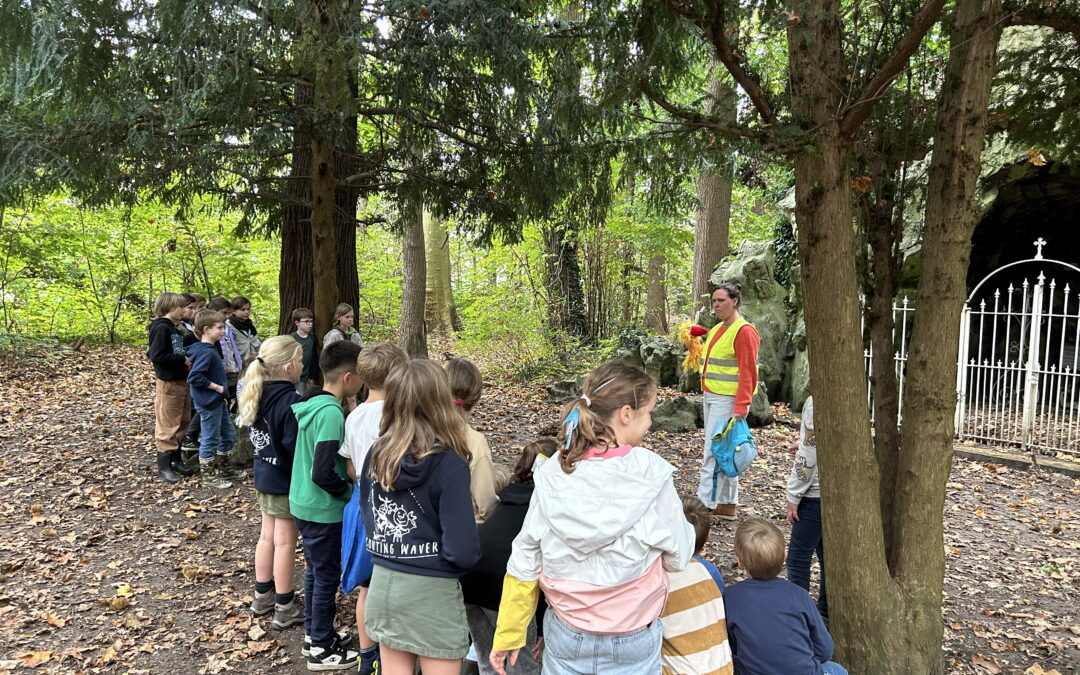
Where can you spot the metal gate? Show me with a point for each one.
(1017, 382)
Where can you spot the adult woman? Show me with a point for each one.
(728, 381)
(344, 317)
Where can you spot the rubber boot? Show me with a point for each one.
(165, 469)
(178, 465)
(210, 477)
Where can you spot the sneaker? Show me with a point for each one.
(334, 657)
(263, 603)
(343, 638)
(725, 512)
(287, 615)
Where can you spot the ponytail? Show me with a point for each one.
(274, 355)
(606, 390)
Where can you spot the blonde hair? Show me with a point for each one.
(759, 546)
(342, 309)
(167, 302)
(376, 361)
(274, 355)
(606, 390)
(466, 384)
(418, 420)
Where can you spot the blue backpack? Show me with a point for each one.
(356, 561)
(732, 448)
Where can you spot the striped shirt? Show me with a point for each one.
(695, 631)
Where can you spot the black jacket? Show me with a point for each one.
(273, 436)
(482, 585)
(166, 350)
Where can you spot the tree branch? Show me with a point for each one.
(696, 120)
(1041, 16)
(856, 113)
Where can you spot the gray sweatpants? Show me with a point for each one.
(482, 627)
(717, 408)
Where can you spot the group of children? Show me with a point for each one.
(584, 559)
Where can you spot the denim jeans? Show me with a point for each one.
(322, 553)
(726, 490)
(805, 541)
(218, 432)
(568, 651)
(833, 668)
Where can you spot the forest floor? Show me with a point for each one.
(105, 568)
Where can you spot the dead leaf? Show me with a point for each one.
(1036, 157)
(33, 659)
(986, 663)
(861, 183)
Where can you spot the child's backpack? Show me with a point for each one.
(356, 562)
(732, 447)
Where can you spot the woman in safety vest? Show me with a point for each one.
(729, 379)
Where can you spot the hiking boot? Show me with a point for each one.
(287, 615)
(725, 512)
(178, 465)
(342, 638)
(263, 603)
(210, 477)
(334, 657)
(165, 468)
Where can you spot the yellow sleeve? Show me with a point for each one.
(516, 610)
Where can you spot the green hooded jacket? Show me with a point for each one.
(320, 486)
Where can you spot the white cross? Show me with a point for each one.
(1039, 243)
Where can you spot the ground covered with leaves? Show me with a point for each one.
(105, 568)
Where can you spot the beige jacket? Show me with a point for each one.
(482, 474)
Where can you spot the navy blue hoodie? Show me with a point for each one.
(273, 436)
(166, 350)
(207, 367)
(424, 525)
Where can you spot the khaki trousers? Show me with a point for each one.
(172, 412)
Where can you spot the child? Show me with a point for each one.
(266, 407)
(695, 634)
(318, 493)
(418, 514)
(804, 511)
(466, 386)
(304, 320)
(230, 351)
(772, 623)
(247, 337)
(172, 403)
(361, 429)
(604, 524)
(344, 317)
(482, 585)
(208, 382)
(195, 302)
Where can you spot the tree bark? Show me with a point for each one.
(567, 310)
(655, 297)
(295, 276)
(413, 338)
(926, 444)
(712, 224)
(440, 311)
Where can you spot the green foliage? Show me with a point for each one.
(69, 270)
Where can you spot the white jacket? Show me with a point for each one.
(605, 524)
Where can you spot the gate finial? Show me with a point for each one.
(1039, 243)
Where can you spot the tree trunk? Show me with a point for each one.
(863, 603)
(712, 224)
(346, 200)
(567, 310)
(926, 443)
(295, 276)
(323, 246)
(440, 311)
(413, 337)
(655, 297)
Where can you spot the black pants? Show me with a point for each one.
(322, 552)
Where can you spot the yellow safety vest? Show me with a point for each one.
(720, 367)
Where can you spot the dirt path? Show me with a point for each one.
(104, 568)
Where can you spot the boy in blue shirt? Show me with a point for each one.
(773, 626)
(208, 383)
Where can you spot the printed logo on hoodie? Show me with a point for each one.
(393, 522)
(260, 440)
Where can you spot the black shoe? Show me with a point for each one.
(178, 465)
(165, 468)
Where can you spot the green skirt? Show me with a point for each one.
(416, 614)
